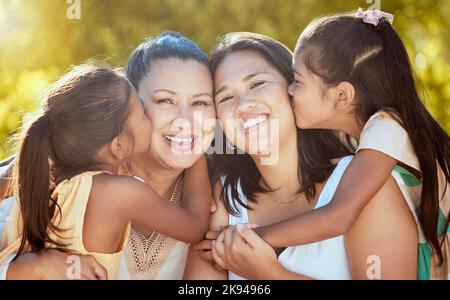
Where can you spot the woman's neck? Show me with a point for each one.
(282, 176)
(162, 180)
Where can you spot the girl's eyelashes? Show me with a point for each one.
(144, 108)
(297, 82)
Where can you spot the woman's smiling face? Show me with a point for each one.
(178, 98)
(252, 103)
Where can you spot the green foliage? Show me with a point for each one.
(38, 42)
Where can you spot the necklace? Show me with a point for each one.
(146, 256)
(286, 202)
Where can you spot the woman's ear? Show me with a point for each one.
(345, 95)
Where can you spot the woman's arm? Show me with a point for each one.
(382, 244)
(354, 191)
(198, 268)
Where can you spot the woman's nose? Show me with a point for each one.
(183, 120)
(245, 104)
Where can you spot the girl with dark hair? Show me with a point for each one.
(251, 77)
(67, 180)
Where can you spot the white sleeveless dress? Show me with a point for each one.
(324, 260)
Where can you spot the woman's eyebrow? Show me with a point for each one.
(202, 94)
(164, 90)
(221, 90)
(250, 76)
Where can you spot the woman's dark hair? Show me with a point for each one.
(167, 45)
(81, 113)
(316, 148)
(374, 60)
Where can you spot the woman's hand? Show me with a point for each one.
(240, 250)
(204, 248)
(52, 264)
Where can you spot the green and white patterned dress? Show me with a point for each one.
(385, 134)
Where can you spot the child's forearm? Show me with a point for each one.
(307, 228)
(197, 196)
(354, 191)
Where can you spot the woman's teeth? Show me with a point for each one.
(255, 121)
(179, 143)
(179, 140)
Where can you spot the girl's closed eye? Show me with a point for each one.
(297, 82)
(144, 109)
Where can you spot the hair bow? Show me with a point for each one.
(374, 16)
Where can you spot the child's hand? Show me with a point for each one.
(240, 250)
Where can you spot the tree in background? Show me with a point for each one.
(39, 42)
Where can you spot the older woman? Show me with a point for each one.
(172, 78)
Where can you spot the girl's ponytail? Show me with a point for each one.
(32, 184)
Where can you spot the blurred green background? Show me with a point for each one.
(39, 42)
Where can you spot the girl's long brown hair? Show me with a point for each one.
(374, 59)
(82, 112)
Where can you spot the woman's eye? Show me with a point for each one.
(256, 84)
(200, 103)
(225, 99)
(165, 100)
